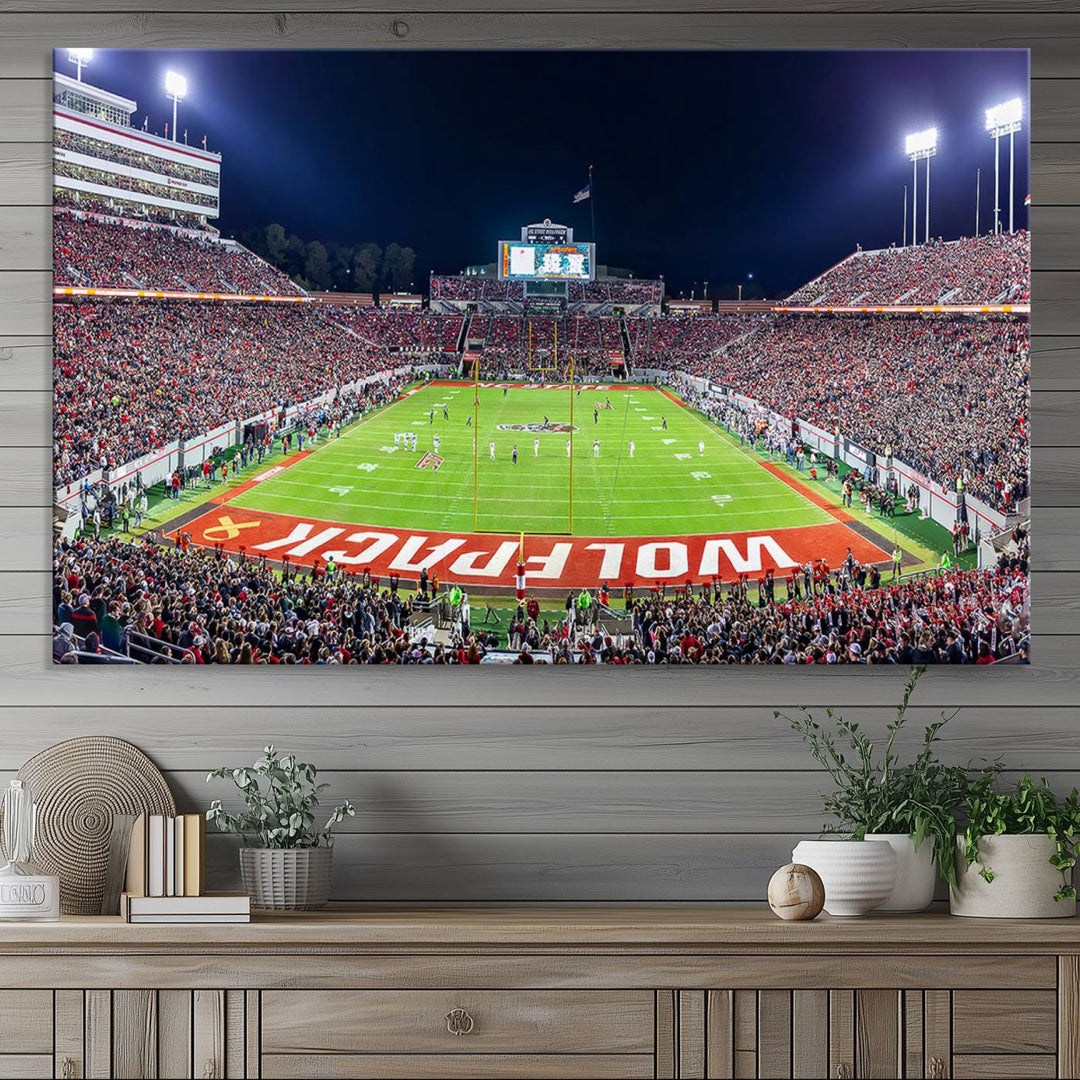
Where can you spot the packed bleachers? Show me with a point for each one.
(78, 143)
(102, 254)
(948, 396)
(614, 291)
(678, 339)
(67, 199)
(135, 184)
(451, 287)
(133, 376)
(985, 269)
(399, 331)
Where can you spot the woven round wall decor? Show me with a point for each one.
(78, 785)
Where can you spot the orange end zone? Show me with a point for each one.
(550, 562)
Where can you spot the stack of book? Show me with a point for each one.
(166, 875)
(207, 908)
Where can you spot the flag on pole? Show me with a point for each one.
(582, 195)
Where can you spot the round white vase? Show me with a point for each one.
(1024, 881)
(916, 872)
(858, 875)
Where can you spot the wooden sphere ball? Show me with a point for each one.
(796, 893)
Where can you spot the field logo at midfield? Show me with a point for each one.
(559, 428)
(430, 461)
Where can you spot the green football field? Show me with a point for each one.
(669, 487)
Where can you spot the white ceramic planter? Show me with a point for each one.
(858, 875)
(1024, 881)
(916, 872)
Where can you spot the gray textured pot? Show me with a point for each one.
(287, 879)
(1024, 881)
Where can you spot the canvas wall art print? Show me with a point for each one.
(636, 359)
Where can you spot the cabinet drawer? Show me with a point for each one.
(1004, 1066)
(457, 1021)
(26, 1066)
(1004, 1022)
(458, 1066)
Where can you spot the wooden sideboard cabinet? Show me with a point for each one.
(550, 993)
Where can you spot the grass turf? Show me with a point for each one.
(668, 488)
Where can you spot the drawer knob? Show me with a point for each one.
(67, 1069)
(937, 1069)
(459, 1022)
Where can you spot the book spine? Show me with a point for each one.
(136, 883)
(195, 855)
(170, 856)
(179, 855)
(155, 854)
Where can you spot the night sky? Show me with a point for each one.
(708, 165)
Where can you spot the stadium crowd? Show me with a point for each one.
(77, 143)
(680, 339)
(475, 288)
(949, 397)
(399, 331)
(984, 269)
(67, 199)
(615, 291)
(132, 376)
(208, 608)
(138, 185)
(91, 252)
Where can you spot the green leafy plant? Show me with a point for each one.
(874, 793)
(280, 796)
(1029, 808)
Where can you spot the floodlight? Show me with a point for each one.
(1005, 114)
(1004, 119)
(80, 58)
(922, 142)
(175, 85)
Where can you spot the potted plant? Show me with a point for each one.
(1017, 852)
(285, 859)
(909, 807)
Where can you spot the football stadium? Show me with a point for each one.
(541, 460)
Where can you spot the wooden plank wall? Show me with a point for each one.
(534, 785)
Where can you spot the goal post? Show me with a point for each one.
(533, 362)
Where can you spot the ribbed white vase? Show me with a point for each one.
(916, 872)
(858, 875)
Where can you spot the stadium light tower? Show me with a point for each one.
(176, 88)
(922, 144)
(1004, 119)
(80, 58)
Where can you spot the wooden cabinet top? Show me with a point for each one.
(696, 929)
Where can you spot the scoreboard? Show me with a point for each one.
(522, 260)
